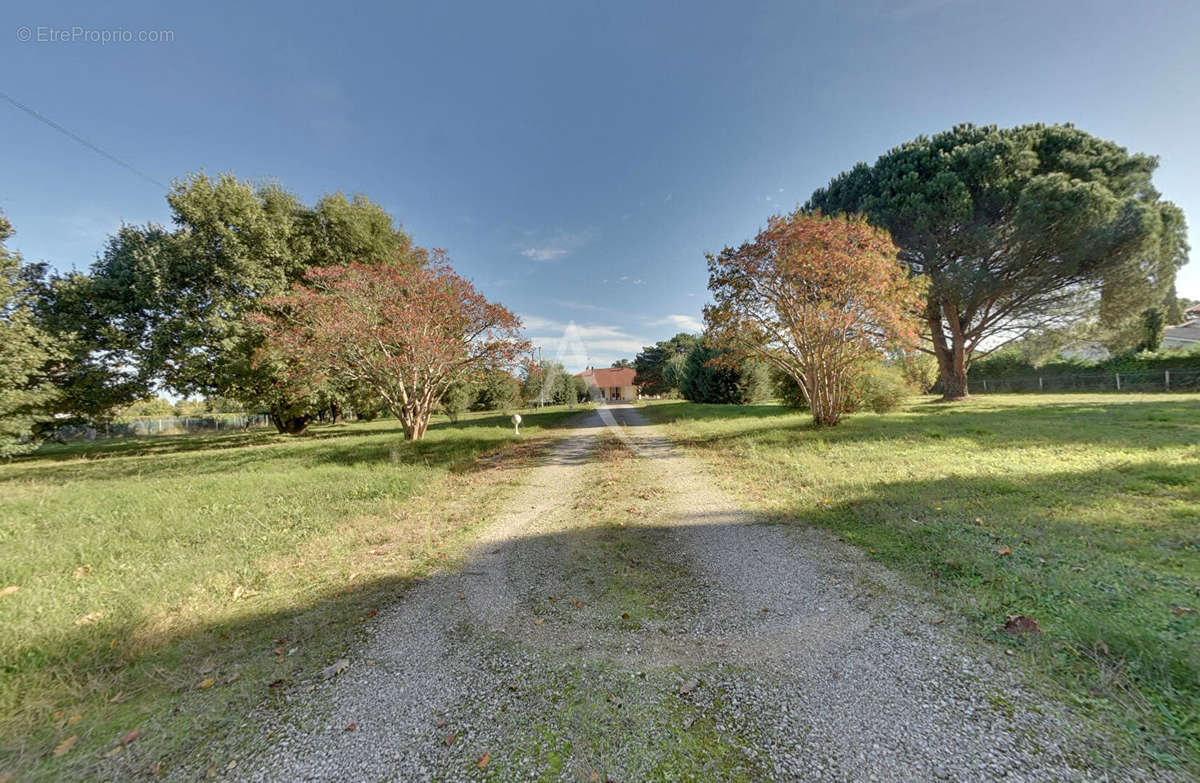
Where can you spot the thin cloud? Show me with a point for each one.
(685, 322)
(544, 253)
(554, 246)
(580, 345)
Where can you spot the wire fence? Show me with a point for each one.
(168, 425)
(1144, 381)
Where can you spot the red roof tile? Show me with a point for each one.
(609, 376)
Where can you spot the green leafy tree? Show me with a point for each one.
(148, 407)
(717, 375)
(497, 390)
(458, 399)
(651, 363)
(101, 321)
(28, 354)
(548, 382)
(622, 364)
(1017, 230)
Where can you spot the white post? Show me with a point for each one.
(1167, 379)
(1040, 383)
(1118, 381)
(985, 384)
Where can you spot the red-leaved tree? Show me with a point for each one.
(407, 331)
(815, 296)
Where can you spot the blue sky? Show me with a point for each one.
(575, 159)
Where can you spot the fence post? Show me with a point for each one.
(1118, 381)
(1040, 384)
(1167, 379)
(985, 384)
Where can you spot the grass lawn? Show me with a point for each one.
(1080, 511)
(165, 583)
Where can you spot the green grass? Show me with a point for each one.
(1096, 497)
(165, 582)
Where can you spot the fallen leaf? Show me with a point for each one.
(624, 615)
(71, 721)
(351, 726)
(90, 617)
(112, 754)
(1017, 624)
(484, 760)
(440, 722)
(206, 683)
(688, 687)
(765, 609)
(616, 702)
(280, 650)
(1182, 610)
(275, 684)
(335, 668)
(539, 621)
(449, 739)
(82, 571)
(595, 778)
(64, 747)
(9, 590)
(1003, 551)
(130, 737)
(578, 603)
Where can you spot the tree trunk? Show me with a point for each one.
(954, 382)
(289, 425)
(952, 360)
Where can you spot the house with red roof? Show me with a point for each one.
(611, 383)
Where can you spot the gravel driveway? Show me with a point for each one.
(624, 620)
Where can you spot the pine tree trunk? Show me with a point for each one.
(952, 361)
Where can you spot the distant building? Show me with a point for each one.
(613, 383)
(1186, 335)
(1192, 313)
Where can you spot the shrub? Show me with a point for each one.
(881, 388)
(714, 375)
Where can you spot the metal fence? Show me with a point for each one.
(1146, 381)
(169, 425)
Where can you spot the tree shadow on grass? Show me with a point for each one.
(447, 445)
(1103, 604)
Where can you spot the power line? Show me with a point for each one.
(80, 139)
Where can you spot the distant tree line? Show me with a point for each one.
(233, 302)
